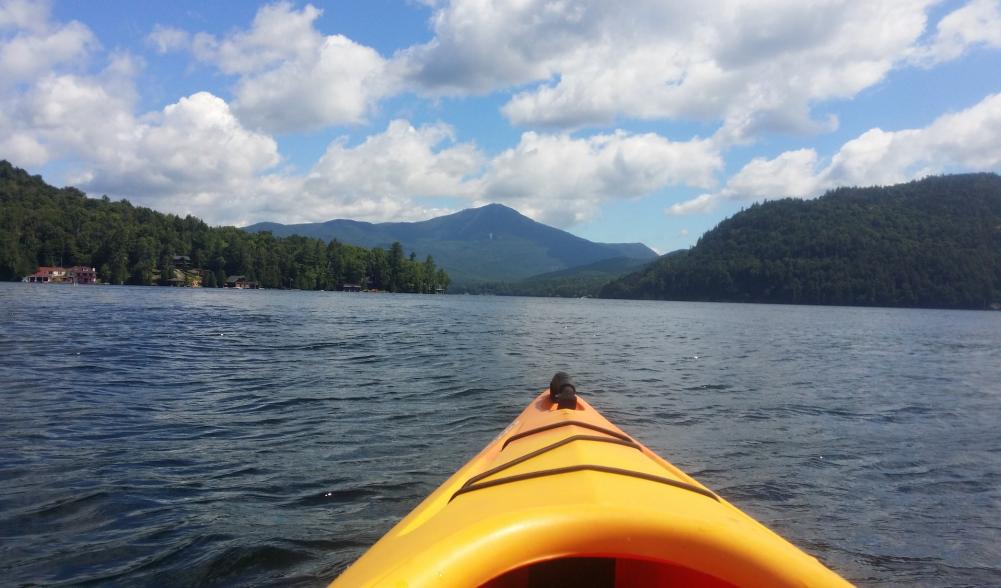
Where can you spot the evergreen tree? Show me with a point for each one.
(930, 243)
(43, 225)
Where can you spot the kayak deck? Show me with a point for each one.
(564, 497)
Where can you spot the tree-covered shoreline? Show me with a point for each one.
(41, 225)
(932, 243)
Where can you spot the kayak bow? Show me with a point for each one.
(563, 497)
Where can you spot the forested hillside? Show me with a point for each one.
(929, 243)
(43, 225)
(575, 282)
(478, 246)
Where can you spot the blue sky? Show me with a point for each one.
(623, 121)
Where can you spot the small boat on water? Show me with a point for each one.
(562, 497)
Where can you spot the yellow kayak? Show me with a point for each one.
(563, 497)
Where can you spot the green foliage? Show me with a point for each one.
(930, 243)
(576, 282)
(492, 243)
(43, 225)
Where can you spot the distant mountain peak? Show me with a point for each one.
(492, 242)
(495, 206)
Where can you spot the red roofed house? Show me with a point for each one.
(47, 274)
(59, 275)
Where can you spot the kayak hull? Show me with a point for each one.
(563, 492)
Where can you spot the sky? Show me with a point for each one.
(620, 121)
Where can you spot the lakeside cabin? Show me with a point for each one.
(77, 274)
(241, 283)
(350, 288)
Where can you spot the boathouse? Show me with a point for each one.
(77, 274)
(241, 283)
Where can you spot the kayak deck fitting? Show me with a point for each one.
(563, 497)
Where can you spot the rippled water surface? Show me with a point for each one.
(154, 436)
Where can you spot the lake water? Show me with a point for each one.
(157, 436)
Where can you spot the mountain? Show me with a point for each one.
(574, 282)
(929, 243)
(487, 244)
(605, 269)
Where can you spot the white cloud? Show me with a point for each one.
(290, 76)
(193, 157)
(791, 173)
(66, 115)
(31, 45)
(700, 204)
(200, 155)
(337, 84)
(30, 15)
(553, 178)
(976, 23)
(756, 66)
(167, 39)
(193, 146)
(23, 150)
(197, 156)
(278, 34)
(193, 152)
(562, 181)
(381, 177)
(969, 140)
(480, 46)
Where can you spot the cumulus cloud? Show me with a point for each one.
(554, 178)
(192, 157)
(976, 23)
(23, 150)
(290, 77)
(278, 34)
(969, 140)
(483, 46)
(29, 15)
(338, 83)
(31, 45)
(193, 144)
(381, 177)
(755, 66)
(57, 106)
(61, 115)
(198, 155)
(561, 180)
